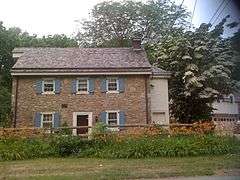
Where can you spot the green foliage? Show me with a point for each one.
(201, 63)
(169, 147)
(99, 129)
(9, 39)
(113, 24)
(68, 145)
(16, 149)
(112, 147)
(65, 131)
(5, 107)
(235, 44)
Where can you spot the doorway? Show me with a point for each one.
(82, 119)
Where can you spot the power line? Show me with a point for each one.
(220, 12)
(216, 11)
(193, 11)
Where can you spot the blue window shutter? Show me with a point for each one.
(57, 86)
(37, 119)
(74, 86)
(122, 118)
(103, 85)
(121, 84)
(56, 120)
(103, 117)
(38, 86)
(91, 85)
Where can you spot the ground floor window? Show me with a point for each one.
(113, 119)
(47, 120)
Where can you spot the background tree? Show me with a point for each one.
(9, 39)
(112, 24)
(201, 63)
(235, 44)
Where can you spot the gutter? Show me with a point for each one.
(15, 104)
(146, 97)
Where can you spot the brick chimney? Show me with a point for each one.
(136, 44)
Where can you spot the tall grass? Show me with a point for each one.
(114, 147)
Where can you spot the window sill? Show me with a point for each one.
(112, 92)
(84, 92)
(48, 93)
(115, 129)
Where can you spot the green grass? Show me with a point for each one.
(87, 168)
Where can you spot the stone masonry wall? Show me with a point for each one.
(132, 101)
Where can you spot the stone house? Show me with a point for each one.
(81, 86)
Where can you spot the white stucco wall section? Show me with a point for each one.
(225, 108)
(159, 100)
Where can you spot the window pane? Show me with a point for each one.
(47, 117)
(48, 86)
(47, 124)
(112, 122)
(112, 84)
(82, 85)
(112, 116)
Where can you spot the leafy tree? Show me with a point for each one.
(9, 39)
(200, 63)
(112, 24)
(235, 44)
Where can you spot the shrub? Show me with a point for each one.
(65, 131)
(170, 147)
(113, 146)
(99, 130)
(68, 145)
(17, 149)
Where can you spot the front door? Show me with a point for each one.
(82, 120)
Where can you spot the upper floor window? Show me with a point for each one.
(82, 86)
(112, 84)
(48, 86)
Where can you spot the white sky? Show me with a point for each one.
(43, 17)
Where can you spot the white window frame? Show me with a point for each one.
(48, 92)
(113, 128)
(113, 91)
(44, 113)
(82, 92)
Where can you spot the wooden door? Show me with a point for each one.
(82, 120)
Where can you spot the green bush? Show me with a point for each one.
(14, 149)
(98, 130)
(169, 147)
(114, 147)
(69, 145)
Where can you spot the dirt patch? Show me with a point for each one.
(228, 172)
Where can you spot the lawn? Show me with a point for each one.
(86, 168)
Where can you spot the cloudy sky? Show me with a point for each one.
(43, 17)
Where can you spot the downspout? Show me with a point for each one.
(15, 104)
(146, 97)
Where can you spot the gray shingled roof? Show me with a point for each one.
(158, 71)
(81, 58)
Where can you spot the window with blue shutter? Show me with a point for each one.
(103, 117)
(103, 85)
(91, 85)
(57, 86)
(56, 120)
(121, 85)
(38, 86)
(122, 118)
(74, 86)
(37, 119)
